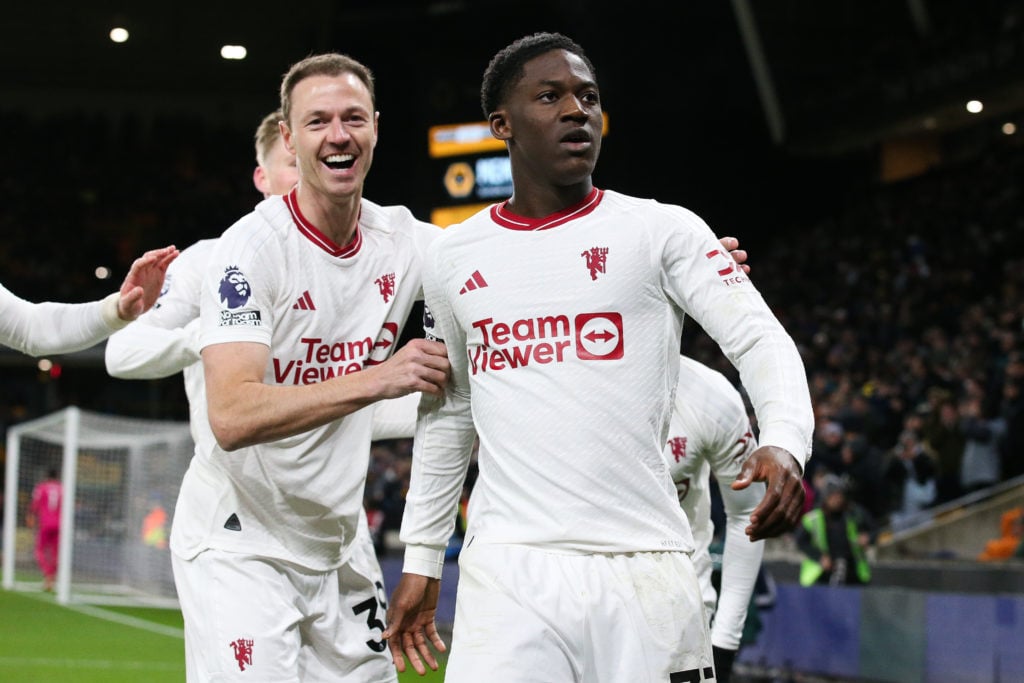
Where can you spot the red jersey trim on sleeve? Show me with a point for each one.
(505, 218)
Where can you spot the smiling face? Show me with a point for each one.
(552, 121)
(332, 130)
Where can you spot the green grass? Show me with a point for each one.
(43, 642)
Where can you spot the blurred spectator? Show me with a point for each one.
(980, 465)
(945, 438)
(910, 474)
(833, 538)
(1012, 412)
(826, 449)
(863, 470)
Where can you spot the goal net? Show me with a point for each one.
(120, 479)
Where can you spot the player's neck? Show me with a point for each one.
(336, 217)
(537, 201)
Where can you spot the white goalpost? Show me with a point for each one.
(120, 478)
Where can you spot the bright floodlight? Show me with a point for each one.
(119, 35)
(102, 273)
(233, 52)
(44, 364)
(975, 106)
(1009, 128)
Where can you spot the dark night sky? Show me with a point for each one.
(686, 123)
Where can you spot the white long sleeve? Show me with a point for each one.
(147, 351)
(740, 564)
(42, 328)
(395, 418)
(442, 449)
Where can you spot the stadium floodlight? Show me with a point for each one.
(233, 52)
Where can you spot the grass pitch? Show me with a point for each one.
(43, 642)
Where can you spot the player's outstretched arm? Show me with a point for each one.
(411, 628)
(783, 501)
(141, 287)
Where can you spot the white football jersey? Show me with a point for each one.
(563, 334)
(709, 433)
(274, 279)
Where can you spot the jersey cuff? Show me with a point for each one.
(108, 309)
(425, 560)
(788, 441)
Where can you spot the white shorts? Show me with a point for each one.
(524, 614)
(250, 618)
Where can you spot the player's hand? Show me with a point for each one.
(411, 628)
(732, 245)
(782, 505)
(420, 365)
(141, 287)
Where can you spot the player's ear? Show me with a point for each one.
(259, 179)
(286, 136)
(498, 123)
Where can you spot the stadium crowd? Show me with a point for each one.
(907, 303)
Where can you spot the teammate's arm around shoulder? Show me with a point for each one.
(244, 410)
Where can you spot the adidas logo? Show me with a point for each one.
(476, 281)
(305, 303)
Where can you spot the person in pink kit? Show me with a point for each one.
(45, 510)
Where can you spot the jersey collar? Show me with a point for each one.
(313, 234)
(505, 218)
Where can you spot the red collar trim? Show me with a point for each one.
(313, 234)
(502, 216)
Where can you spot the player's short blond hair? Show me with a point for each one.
(267, 134)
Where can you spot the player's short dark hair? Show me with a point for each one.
(327, 64)
(267, 134)
(507, 66)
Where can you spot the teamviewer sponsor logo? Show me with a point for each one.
(319, 359)
(544, 340)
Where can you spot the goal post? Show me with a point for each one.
(120, 480)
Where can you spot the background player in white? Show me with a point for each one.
(562, 309)
(301, 304)
(710, 433)
(48, 327)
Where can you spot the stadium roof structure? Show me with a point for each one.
(823, 76)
